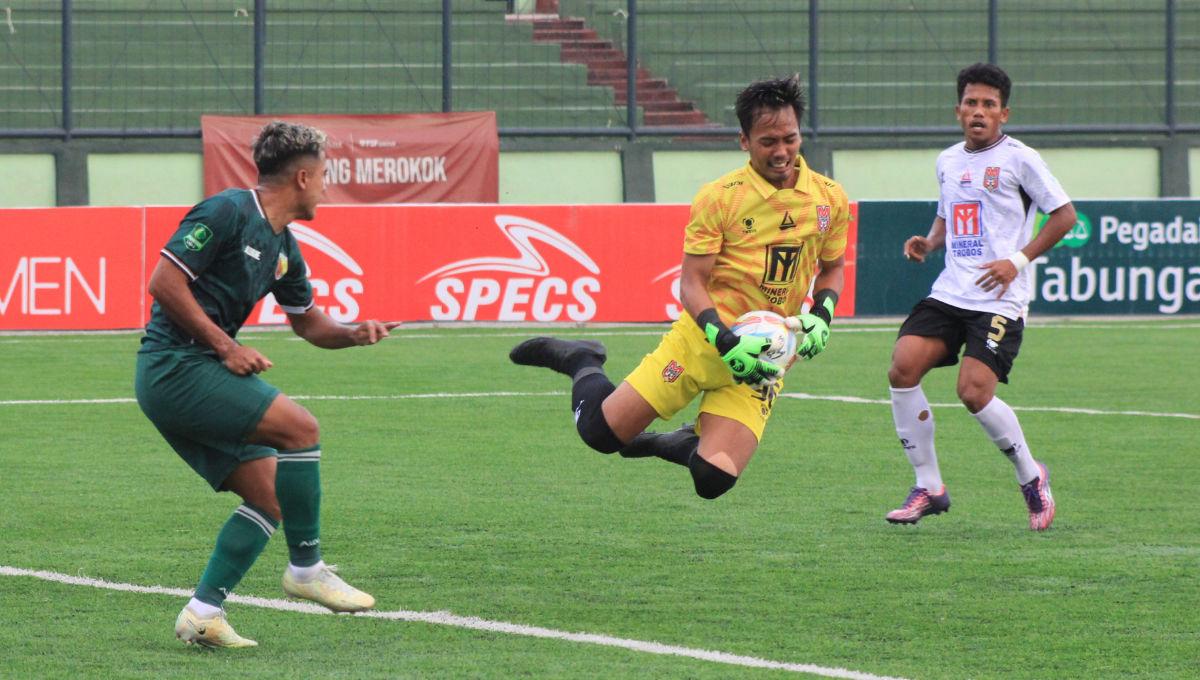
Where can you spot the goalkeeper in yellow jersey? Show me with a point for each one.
(756, 239)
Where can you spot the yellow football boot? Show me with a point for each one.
(328, 589)
(211, 632)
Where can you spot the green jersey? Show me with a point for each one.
(233, 258)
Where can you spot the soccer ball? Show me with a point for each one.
(770, 326)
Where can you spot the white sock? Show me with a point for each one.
(306, 573)
(1000, 423)
(914, 426)
(203, 609)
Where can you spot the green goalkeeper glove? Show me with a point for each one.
(740, 353)
(815, 324)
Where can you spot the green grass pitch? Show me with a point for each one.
(487, 505)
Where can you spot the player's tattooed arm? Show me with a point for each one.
(169, 287)
(319, 329)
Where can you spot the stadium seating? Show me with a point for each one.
(139, 67)
(885, 64)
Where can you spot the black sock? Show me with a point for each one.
(676, 447)
(591, 389)
(583, 362)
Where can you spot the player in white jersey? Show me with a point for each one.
(991, 186)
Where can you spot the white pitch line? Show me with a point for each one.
(559, 393)
(303, 397)
(473, 623)
(844, 328)
(849, 326)
(434, 395)
(1045, 409)
(57, 402)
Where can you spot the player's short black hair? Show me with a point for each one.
(772, 94)
(985, 74)
(280, 143)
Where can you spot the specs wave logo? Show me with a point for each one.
(531, 292)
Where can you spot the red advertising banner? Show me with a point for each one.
(86, 268)
(71, 268)
(845, 305)
(409, 158)
(603, 263)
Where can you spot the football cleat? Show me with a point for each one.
(211, 632)
(555, 354)
(918, 504)
(328, 589)
(1039, 500)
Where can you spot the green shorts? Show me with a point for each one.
(203, 411)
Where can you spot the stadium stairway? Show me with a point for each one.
(607, 66)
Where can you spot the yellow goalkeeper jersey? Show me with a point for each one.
(767, 240)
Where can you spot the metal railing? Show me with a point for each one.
(873, 67)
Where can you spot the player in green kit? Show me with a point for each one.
(200, 387)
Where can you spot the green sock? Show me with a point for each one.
(241, 540)
(298, 488)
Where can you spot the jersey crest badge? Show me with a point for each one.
(198, 237)
(823, 218)
(965, 180)
(991, 178)
(281, 267)
(672, 371)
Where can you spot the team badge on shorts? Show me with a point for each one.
(672, 371)
(822, 218)
(991, 178)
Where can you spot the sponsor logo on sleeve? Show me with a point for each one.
(198, 237)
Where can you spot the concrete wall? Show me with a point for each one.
(886, 173)
(145, 178)
(560, 177)
(1083, 172)
(1194, 170)
(1106, 173)
(542, 176)
(29, 181)
(678, 175)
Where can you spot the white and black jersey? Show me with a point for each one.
(989, 198)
